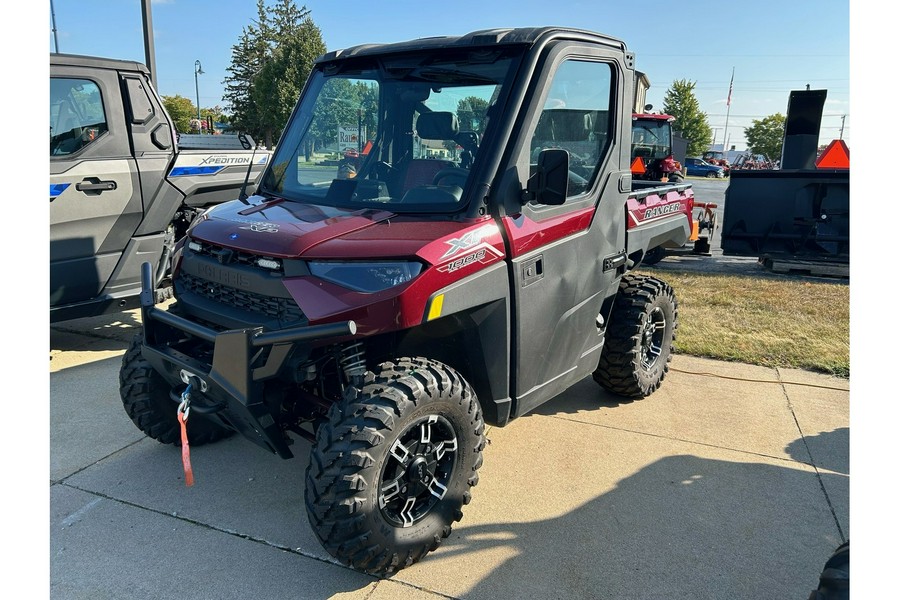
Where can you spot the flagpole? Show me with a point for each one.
(727, 114)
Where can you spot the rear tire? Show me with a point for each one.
(834, 582)
(639, 338)
(392, 468)
(145, 396)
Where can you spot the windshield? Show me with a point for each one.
(651, 138)
(401, 133)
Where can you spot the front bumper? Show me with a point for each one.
(232, 383)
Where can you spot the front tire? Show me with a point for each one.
(145, 396)
(392, 468)
(639, 338)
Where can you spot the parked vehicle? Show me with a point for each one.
(697, 167)
(388, 317)
(121, 190)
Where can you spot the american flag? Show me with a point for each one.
(730, 87)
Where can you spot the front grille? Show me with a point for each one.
(237, 257)
(284, 310)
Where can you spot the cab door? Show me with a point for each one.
(95, 199)
(566, 260)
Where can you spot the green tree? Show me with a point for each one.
(766, 136)
(247, 59)
(269, 66)
(471, 112)
(280, 81)
(351, 103)
(181, 110)
(681, 103)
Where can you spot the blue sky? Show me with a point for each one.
(773, 47)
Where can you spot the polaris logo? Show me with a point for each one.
(659, 211)
(225, 160)
(229, 278)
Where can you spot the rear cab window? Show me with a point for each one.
(77, 115)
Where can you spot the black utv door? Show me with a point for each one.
(559, 284)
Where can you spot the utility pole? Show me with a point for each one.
(53, 18)
(842, 126)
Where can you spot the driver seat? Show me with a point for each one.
(430, 126)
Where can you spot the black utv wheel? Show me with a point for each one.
(391, 469)
(145, 396)
(639, 338)
(834, 582)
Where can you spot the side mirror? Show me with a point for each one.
(550, 182)
(246, 141)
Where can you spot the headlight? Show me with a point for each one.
(366, 276)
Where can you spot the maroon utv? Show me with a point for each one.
(477, 262)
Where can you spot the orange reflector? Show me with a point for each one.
(836, 156)
(637, 166)
(695, 231)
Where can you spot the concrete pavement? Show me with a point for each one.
(731, 481)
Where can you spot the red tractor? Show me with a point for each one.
(652, 157)
(715, 157)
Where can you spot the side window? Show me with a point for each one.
(576, 118)
(77, 117)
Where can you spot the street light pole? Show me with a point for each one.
(198, 70)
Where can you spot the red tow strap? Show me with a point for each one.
(185, 452)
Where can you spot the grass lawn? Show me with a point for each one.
(762, 321)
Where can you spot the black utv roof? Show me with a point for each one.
(485, 37)
(97, 62)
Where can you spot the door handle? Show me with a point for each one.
(95, 185)
(533, 270)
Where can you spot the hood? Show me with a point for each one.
(280, 228)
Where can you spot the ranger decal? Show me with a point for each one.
(658, 211)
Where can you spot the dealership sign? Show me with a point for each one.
(349, 137)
